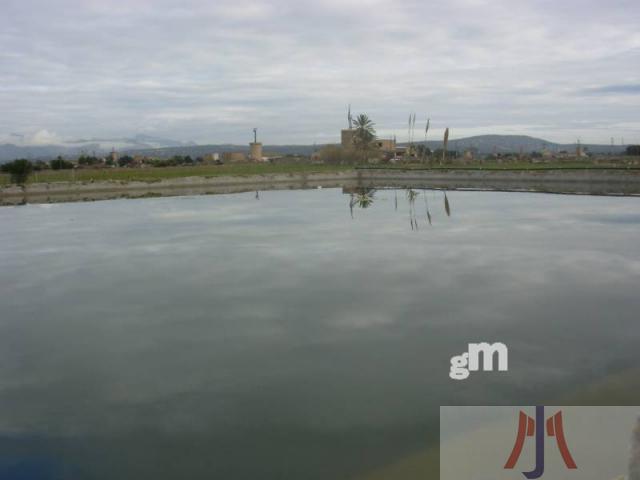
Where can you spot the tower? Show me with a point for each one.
(255, 148)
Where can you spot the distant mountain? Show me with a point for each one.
(164, 148)
(136, 142)
(10, 152)
(513, 143)
(201, 150)
(97, 146)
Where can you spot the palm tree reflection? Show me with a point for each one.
(365, 197)
(362, 198)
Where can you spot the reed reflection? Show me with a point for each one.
(360, 197)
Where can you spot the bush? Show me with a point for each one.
(41, 165)
(61, 164)
(125, 160)
(633, 150)
(86, 160)
(336, 155)
(19, 170)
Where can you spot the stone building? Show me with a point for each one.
(255, 151)
(233, 157)
(346, 137)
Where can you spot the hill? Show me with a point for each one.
(486, 144)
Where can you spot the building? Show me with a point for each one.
(346, 137)
(386, 145)
(211, 158)
(255, 151)
(234, 157)
(255, 148)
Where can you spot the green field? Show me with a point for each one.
(154, 174)
(631, 164)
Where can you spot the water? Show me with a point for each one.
(297, 334)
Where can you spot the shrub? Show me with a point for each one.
(61, 164)
(336, 155)
(19, 170)
(633, 150)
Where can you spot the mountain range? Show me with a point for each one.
(163, 148)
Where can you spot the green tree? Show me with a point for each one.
(61, 164)
(633, 150)
(125, 160)
(41, 165)
(19, 170)
(88, 160)
(364, 136)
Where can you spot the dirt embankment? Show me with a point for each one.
(605, 182)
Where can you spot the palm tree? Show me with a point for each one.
(365, 134)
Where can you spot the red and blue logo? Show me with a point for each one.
(528, 427)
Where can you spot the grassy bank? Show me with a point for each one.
(515, 166)
(152, 174)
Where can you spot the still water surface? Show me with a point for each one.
(295, 334)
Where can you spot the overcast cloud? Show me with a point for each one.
(210, 70)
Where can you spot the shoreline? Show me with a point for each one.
(586, 181)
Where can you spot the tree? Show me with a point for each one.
(364, 135)
(423, 151)
(87, 160)
(61, 164)
(41, 165)
(633, 150)
(19, 170)
(125, 160)
(336, 155)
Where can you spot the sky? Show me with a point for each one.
(208, 71)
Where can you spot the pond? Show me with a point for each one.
(297, 334)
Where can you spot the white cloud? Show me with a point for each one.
(43, 137)
(210, 71)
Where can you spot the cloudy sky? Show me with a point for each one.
(210, 70)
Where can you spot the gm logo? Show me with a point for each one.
(478, 354)
(528, 427)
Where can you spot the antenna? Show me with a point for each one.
(255, 135)
(349, 117)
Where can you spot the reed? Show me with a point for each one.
(426, 132)
(446, 143)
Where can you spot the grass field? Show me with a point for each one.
(561, 165)
(152, 174)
